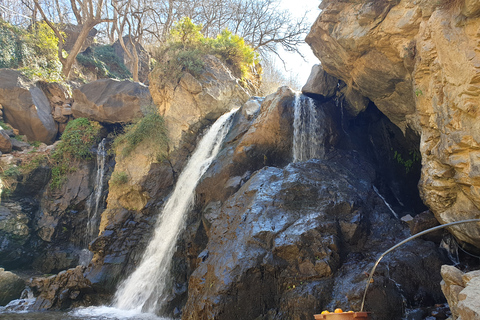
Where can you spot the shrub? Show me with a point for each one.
(118, 178)
(187, 46)
(75, 145)
(151, 129)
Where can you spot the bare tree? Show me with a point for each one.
(88, 14)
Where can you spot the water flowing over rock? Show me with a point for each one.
(26, 107)
(418, 62)
(146, 288)
(111, 101)
(308, 130)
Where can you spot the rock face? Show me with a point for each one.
(26, 107)
(184, 104)
(461, 290)
(111, 101)
(320, 83)
(418, 62)
(276, 241)
(144, 58)
(11, 286)
(133, 206)
(59, 291)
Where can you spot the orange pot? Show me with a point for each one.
(342, 316)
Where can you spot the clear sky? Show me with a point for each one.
(295, 64)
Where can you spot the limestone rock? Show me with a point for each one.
(418, 62)
(462, 291)
(320, 83)
(5, 142)
(183, 106)
(26, 107)
(72, 32)
(11, 286)
(111, 101)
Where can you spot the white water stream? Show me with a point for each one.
(307, 130)
(144, 290)
(93, 205)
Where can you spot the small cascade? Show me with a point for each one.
(20, 305)
(307, 130)
(145, 289)
(93, 205)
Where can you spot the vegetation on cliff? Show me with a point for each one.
(149, 129)
(187, 45)
(75, 145)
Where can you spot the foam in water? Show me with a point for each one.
(144, 290)
(109, 313)
(307, 129)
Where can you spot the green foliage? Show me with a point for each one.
(119, 178)
(151, 128)
(75, 145)
(418, 92)
(11, 175)
(233, 50)
(34, 52)
(104, 62)
(408, 162)
(187, 46)
(186, 33)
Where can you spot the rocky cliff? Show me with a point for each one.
(418, 61)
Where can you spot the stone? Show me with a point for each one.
(320, 83)
(462, 290)
(418, 62)
(26, 107)
(143, 56)
(56, 291)
(111, 101)
(184, 107)
(72, 32)
(5, 142)
(20, 145)
(11, 286)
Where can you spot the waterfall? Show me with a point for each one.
(145, 290)
(93, 205)
(308, 129)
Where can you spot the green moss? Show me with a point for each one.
(151, 128)
(75, 145)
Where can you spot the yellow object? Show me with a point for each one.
(338, 310)
(350, 311)
(325, 312)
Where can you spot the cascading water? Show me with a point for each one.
(144, 290)
(307, 130)
(93, 205)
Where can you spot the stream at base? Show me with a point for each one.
(90, 313)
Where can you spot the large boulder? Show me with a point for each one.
(26, 107)
(418, 62)
(462, 291)
(11, 286)
(320, 83)
(194, 100)
(143, 57)
(111, 101)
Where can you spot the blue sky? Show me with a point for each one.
(295, 63)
